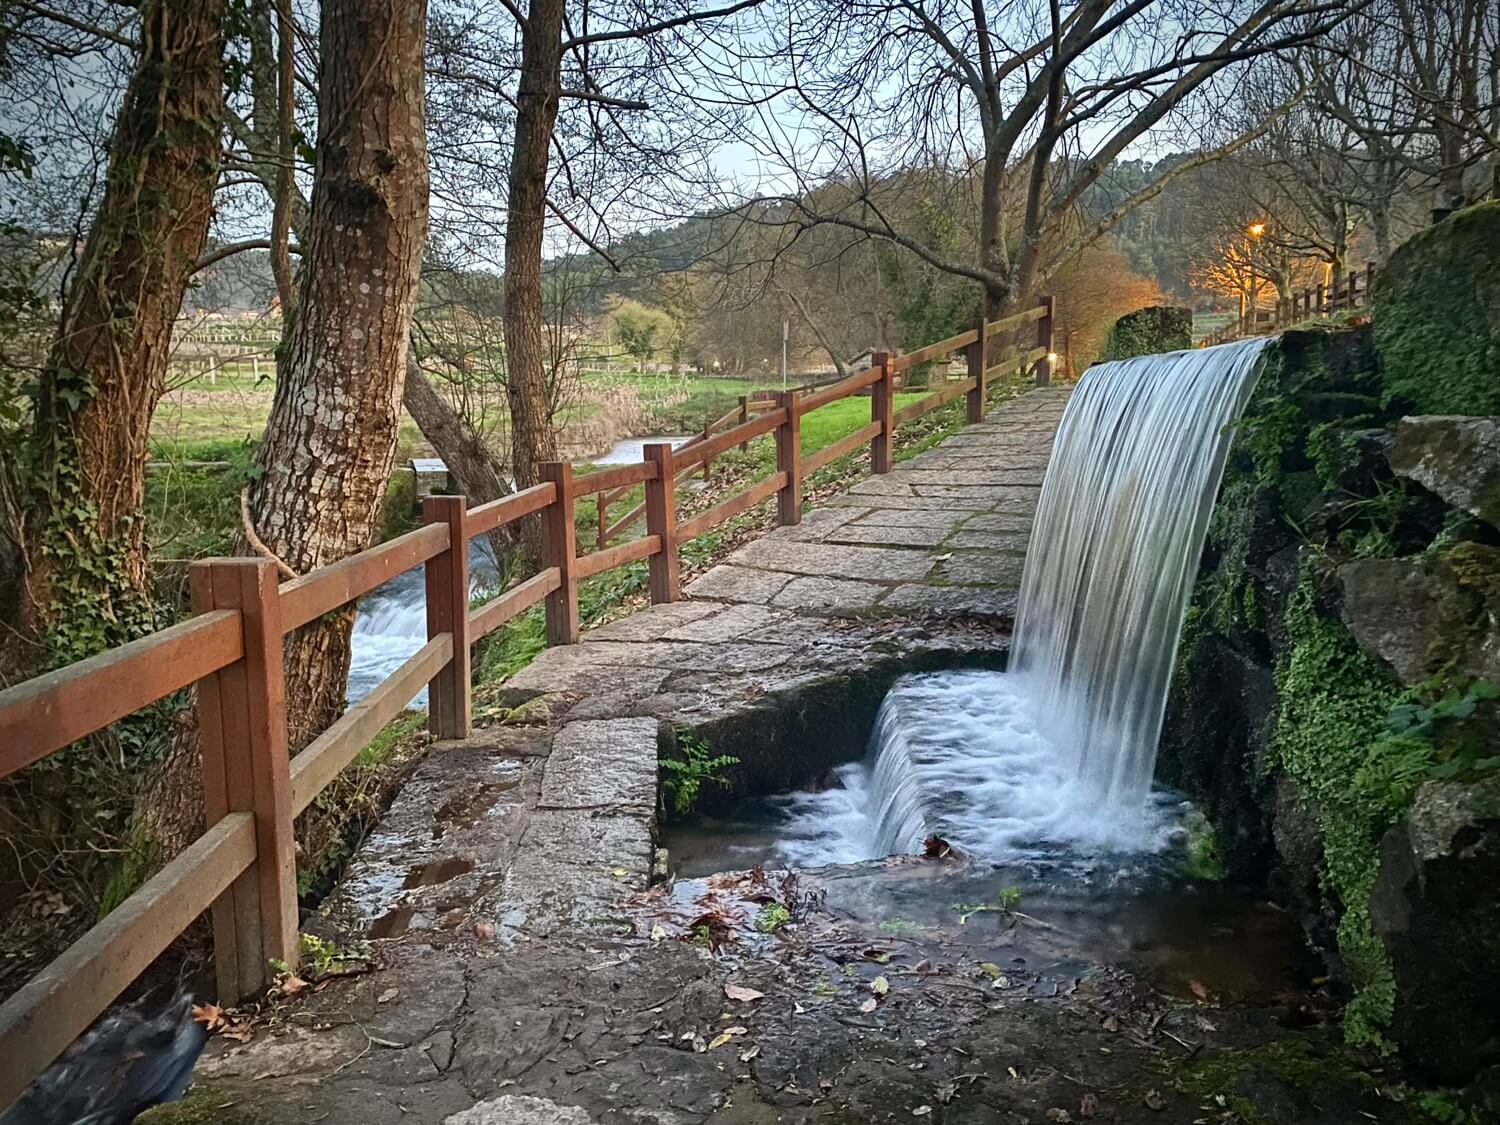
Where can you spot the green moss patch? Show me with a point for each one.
(1437, 317)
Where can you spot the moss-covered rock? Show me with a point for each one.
(1156, 328)
(1457, 458)
(1436, 309)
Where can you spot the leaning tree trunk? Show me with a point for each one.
(462, 450)
(85, 568)
(327, 452)
(537, 97)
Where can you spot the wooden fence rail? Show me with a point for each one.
(242, 868)
(1345, 293)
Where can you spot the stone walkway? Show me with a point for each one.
(519, 845)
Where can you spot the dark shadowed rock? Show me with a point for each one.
(1434, 908)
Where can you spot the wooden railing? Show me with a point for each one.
(885, 376)
(1345, 292)
(242, 868)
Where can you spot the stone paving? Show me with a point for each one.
(528, 835)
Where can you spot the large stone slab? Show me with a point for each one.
(981, 568)
(737, 584)
(968, 601)
(907, 517)
(881, 564)
(830, 594)
(863, 534)
(992, 476)
(998, 521)
(1014, 541)
(652, 622)
(519, 1109)
(735, 623)
(609, 763)
(914, 503)
(571, 867)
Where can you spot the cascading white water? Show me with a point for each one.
(1060, 750)
(1115, 545)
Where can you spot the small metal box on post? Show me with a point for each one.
(560, 549)
(447, 587)
(789, 460)
(978, 357)
(661, 520)
(882, 410)
(1042, 369)
(246, 768)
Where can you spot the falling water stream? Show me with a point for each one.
(1056, 755)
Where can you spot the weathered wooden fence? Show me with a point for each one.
(242, 868)
(1343, 293)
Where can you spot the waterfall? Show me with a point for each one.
(1060, 749)
(1114, 551)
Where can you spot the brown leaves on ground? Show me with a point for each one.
(218, 1021)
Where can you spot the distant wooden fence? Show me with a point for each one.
(885, 376)
(1346, 292)
(243, 866)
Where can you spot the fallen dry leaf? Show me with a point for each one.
(750, 1053)
(1061, 1116)
(484, 931)
(1088, 1106)
(880, 986)
(658, 932)
(1110, 1024)
(720, 1039)
(1199, 989)
(292, 985)
(1154, 1100)
(921, 1111)
(387, 996)
(869, 1005)
(211, 1016)
(739, 992)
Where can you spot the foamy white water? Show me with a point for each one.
(964, 755)
(391, 624)
(1058, 753)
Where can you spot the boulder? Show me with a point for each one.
(1435, 910)
(1420, 615)
(1455, 456)
(1436, 314)
(1156, 328)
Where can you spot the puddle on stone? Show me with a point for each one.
(430, 874)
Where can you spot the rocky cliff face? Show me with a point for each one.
(1334, 707)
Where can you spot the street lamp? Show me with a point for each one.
(1256, 230)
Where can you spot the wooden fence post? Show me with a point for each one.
(560, 549)
(246, 768)
(601, 509)
(1370, 276)
(1042, 369)
(1353, 284)
(978, 361)
(707, 461)
(447, 579)
(661, 519)
(1318, 309)
(744, 417)
(789, 460)
(882, 408)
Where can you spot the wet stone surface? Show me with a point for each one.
(524, 968)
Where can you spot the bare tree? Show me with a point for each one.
(1011, 111)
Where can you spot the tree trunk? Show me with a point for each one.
(473, 468)
(86, 578)
(327, 452)
(531, 436)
